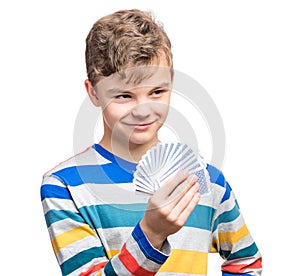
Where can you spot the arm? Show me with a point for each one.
(169, 208)
(78, 248)
(232, 239)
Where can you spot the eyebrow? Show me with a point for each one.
(116, 90)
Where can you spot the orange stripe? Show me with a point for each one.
(131, 264)
(93, 269)
(241, 268)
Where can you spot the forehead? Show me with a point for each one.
(137, 76)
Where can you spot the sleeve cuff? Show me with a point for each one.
(150, 252)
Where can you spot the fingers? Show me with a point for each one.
(172, 184)
(186, 204)
(171, 193)
(169, 208)
(182, 187)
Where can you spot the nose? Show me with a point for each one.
(141, 110)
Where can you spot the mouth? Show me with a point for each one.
(141, 126)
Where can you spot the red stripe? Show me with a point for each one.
(94, 268)
(241, 268)
(132, 265)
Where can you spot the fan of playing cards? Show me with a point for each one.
(163, 161)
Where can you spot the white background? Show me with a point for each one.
(244, 53)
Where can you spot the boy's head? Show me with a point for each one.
(123, 39)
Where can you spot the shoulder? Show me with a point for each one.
(218, 180)
(216, 175)
(87, 157)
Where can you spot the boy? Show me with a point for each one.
(97, 224)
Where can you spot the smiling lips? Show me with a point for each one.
(141, 127)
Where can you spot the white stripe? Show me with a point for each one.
(241, 244)
(58, 204)
(226, 206)
(176, 274)
(77, 247)
(213, 198)
(119, 267)
(116, 237)
(186, 238)
(87, 267)
(52, 180)
(134, 249)
(62, 226)
(95, 194)
(231, 226)
(88, 157)
(247, 261)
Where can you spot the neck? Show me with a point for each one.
(127, 151)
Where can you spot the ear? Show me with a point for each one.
(92, 93)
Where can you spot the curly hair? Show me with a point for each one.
(126, 37)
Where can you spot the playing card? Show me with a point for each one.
(163, 161)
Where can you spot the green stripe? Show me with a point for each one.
(113, 215)
(81, 259)
(243, 253)
(128, 215)
(201, 217)
(227, 216)
(57, 215)
(109, 270)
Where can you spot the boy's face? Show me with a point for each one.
(135, 103)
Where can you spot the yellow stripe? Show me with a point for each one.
(234, 237)
(213, 249)
(111, 253)
(73, 235)
(186, 261)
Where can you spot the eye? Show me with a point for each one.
(123, 96)
(157, 92)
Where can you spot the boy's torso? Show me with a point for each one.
(101, 187)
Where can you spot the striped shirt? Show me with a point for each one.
(92, 214)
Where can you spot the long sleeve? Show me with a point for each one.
(231, 237)
(78, 247)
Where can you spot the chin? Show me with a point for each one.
(142, 139)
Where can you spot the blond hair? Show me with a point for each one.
(126, 37)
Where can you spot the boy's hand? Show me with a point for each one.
(169, 208)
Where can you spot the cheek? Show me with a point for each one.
(112, 114)
(161, 109)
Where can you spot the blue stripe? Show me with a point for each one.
(81, 259)
(147, 249)
(57, 215)
(215, 175)
(53, 191)
(234, 274)
(98, 174)
(218, 178)
(227, 216)
(227, 193)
